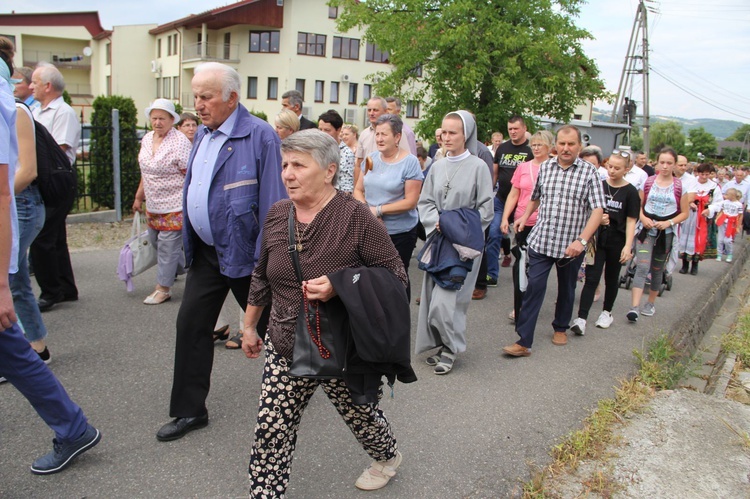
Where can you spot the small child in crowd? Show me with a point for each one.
(728, 223)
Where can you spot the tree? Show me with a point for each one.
(740, 134)
(701, 142)
(495, 58)
(667, 134)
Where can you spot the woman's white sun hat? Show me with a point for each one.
(165, 105)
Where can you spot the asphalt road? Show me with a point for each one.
(471, 433)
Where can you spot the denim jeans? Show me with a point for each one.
(495, 240)
(25, 370)
(30, 221)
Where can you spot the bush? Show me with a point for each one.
(259, 114)
(101, 183)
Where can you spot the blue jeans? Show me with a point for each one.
(23, 368)
(539, 268)
(495, 240)
(30, 221)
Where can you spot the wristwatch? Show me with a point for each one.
(582, 241)
(671, 222)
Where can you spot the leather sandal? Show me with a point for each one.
(235, 342)
(222, 333)
(158, 297)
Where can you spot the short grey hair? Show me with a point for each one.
(48, 73)
(321, 146)
(592, 151)
(382, 101)
(393, 121)
(229, 78)
(294, 97)
(25, 73)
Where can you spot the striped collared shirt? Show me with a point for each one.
(566, 200)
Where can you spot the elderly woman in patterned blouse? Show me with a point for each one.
(163, 160)
(324, 219)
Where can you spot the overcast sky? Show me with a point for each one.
(700, 46)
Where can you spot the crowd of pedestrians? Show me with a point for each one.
(290, 216)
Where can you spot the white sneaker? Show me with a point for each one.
(579, 326)
(729, 258)
(605, 320)
(718, 258)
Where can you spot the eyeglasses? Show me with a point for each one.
(536, 145)
(620, 152)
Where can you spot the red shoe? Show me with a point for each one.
(478, 294)
(506, 261)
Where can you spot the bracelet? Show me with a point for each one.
(379, 211)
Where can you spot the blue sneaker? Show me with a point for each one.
(62, 454)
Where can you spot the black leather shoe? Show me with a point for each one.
(180, 427)
(46, 304)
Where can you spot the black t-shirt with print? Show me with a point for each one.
(508, 156)
(622, 203)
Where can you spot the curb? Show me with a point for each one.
(105, 216)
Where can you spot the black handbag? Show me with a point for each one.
(316, 353)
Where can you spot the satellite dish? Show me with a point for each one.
(87, 51)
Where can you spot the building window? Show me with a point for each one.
(319, 90)
(334, 92)
(175, 88)
(412, 109)
(158, 88)
(174, 41)
(345, 48)
(333, 12)
(353, 93)
(200, 44)
(158, 48)
(366, 92)
(373, 54)
(418, 70)
(273, 88)
(167, 85)
(169, 45)
(252, 87)
(227, 45)
(109, 86)
(108, 54)
(311, 44)
(299, 86)
(264, 41)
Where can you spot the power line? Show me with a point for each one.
(675, 67)
(697, 96)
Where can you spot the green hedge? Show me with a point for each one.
(101, 184)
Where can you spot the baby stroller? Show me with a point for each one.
(626, 280)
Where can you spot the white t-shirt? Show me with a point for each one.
(637, 177)
(689, 183)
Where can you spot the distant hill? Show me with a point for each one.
(720, 129)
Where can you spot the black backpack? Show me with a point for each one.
(56, 178)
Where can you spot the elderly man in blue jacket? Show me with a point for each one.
(233, 178)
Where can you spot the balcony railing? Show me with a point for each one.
(60, 59)
(225, 52)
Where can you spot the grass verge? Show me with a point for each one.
(660, 367)
(737, 341)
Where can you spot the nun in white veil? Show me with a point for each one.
(460, 180)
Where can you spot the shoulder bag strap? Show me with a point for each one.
(292, 247)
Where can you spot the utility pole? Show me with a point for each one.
(636, 62)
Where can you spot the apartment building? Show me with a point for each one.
(275, 45)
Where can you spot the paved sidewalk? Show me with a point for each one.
(468, 434)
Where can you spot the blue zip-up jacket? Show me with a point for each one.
(245, 183)
(440, 257)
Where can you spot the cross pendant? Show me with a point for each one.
(446, 188)
(299, 247)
